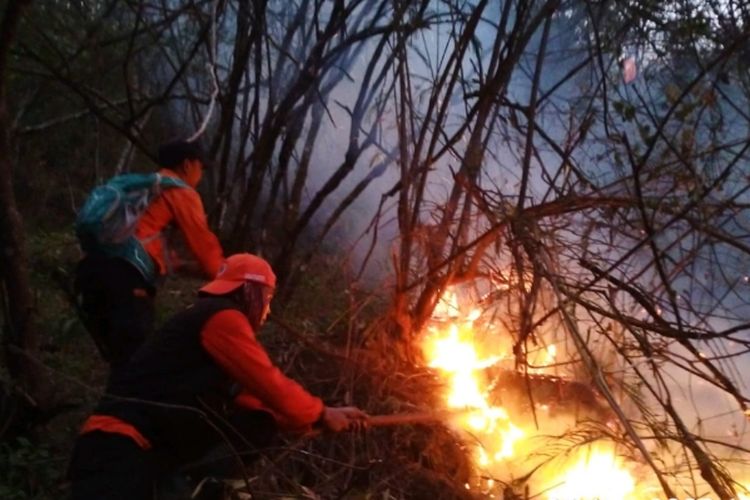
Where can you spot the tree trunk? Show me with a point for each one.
(20, 340)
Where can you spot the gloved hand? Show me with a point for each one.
(342, 418)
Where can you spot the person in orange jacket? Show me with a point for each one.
(116, 301)
(202, 379)
(181, 207)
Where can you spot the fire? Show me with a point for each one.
(743, 490)
(450, 346)
(456, 357)
(596, 474)
(544, 359)
(447, 306)
(466, 351)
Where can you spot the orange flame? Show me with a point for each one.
(511, 449)
(597, 473)
(456, 357)
(450, 347)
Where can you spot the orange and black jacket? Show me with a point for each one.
(183, 207)
(204, 362)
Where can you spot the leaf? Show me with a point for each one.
(629, 69)
(672, 92)
(645, 132)
(624, 109)
(629, 113)
(708, 98)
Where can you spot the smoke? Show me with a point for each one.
(690, 169)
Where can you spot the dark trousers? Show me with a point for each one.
(107, 466)
(116, 305)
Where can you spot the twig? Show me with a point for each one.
(315, 345)
(212, 72)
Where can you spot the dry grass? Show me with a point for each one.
(355, 361)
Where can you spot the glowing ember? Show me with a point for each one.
(597, 474)
(544, 359)
(551, 353)
(474, 315)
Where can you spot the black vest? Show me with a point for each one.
(171, 390)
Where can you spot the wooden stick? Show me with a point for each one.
(423, 417)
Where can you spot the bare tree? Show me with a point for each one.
(20, 337)
(625, 211)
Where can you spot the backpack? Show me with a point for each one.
(106, 223)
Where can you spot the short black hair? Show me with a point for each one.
(173, 153)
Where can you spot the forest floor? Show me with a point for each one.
(333, 344)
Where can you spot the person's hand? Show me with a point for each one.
(339, 419)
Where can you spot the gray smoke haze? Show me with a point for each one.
(712, 285)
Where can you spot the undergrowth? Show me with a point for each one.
(330, 337)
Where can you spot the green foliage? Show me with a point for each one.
(53, 257)
(66, 346)
(29, 471)
(625, 110)
(176, 294)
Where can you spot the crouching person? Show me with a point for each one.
(203, 379)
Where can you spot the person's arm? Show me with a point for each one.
(230, 341)
(250, 402)
(332, 418)
(189, 215)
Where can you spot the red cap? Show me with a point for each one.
(237, 269)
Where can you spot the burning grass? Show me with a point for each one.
(513, 420)
(511, 434)
(404, 461)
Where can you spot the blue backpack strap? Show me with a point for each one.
(106, 223)
(170, 182)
